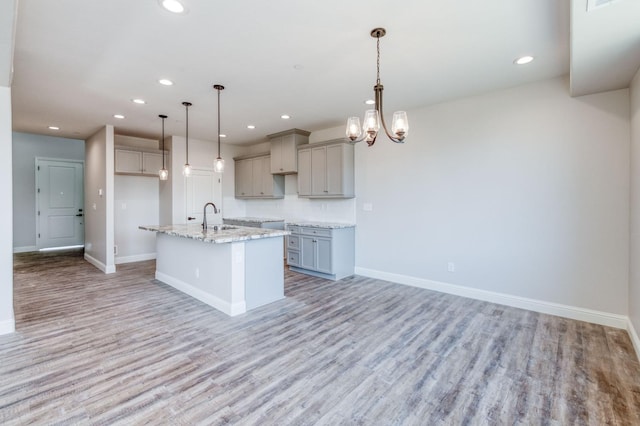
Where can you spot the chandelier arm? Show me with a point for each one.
(378, 89)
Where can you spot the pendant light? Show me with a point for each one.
(163, 173)
(186, 170)
(218, 164)
(373, 117)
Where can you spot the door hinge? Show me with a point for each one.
(38, 235)
(38, 190)
(38, 212)
(38, 168)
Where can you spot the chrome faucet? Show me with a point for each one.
(204, 215)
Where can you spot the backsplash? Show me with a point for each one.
(291, 207)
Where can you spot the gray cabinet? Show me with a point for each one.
(132, 162)
(326, 170)
(253, 178)
(322, 252)
(284, 154)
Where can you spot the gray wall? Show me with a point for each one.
(26, 147)
(634, 280)
(7, 323)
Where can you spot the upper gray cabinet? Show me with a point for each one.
(133, 162)
(284, 158)
(326, 170)
(254, 178)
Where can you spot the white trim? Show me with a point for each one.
(635, 339)
(566, 311)
(213, 301)
(135, 258)
(24, 249)
(7, 326)
(95, 262)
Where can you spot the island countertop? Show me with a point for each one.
(225, 233)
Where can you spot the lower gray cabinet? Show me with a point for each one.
(322, 252)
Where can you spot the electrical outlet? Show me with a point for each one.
(197, 272)
(367, 207)
(451, 267)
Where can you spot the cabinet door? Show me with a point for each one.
(128, 161)
(289, 159)
(334, 170)
(244, 178)
(307, 252)
(323, 255)
(304, 172)
(276, 156)
(257, 177)
(151, 163)
(267, 177)
(319, 171)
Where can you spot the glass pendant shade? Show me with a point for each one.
(218, 165)
(400, 124)
(353, 128)
(371, 121)
(164, 174)
(186, 170)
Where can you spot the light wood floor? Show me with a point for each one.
(126, 349)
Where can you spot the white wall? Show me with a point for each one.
(634, 278)
(26, 147)
(7, 321)
(99, 200)
(136, 203)
(525, 190)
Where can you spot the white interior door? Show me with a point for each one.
(59, 203)
(202, 187)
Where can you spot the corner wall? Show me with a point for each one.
(98, 200)
(7, 319)
(634, 255)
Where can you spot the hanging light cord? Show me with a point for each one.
(162, 142)
(218, 123)
(187, 132)
(378, 59)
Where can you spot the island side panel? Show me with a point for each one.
(202, 270)
(264, 273)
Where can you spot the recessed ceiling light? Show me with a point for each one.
(251, 126)
(369, 102)
(165, 82)
(222, 135)
(285, 116)
(138, 101)
(120, 116)
(172, 6)
(523, 60)
(54, 128)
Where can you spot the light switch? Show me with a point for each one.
(124, 206)
(94, 206)
(367, 207)
(100, 192)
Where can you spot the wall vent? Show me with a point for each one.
(597, 4)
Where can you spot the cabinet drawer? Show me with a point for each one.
(293, 229)
(293, 242)
(320, 232)
(293, 258)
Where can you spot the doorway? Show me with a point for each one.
(202, 187)
(59, 203)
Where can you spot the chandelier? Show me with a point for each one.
(373, 117)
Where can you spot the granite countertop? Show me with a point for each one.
(327, 225)
(228, 233)
(254, 219)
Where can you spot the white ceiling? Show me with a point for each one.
(78, 62)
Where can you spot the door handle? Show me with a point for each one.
(79, 215)
(191, 218)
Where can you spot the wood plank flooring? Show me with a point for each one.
(126, 349)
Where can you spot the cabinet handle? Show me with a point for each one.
(280, 168)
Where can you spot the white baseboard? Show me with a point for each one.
(135, 258)
(7, 326)
(24, 249)
(95, 262)
(565, 311)
(209, 299)
(635, 339)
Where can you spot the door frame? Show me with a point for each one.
(37, 194)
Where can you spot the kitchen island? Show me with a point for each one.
(231, 268)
